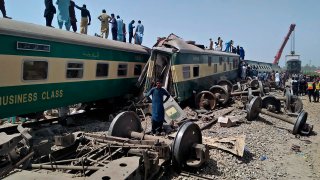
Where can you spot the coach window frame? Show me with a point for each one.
(126, 69)
(186, 71)
(134, 69)
(215, 68)
(30, 60)
(194, 69)
(104, 63)
(209, 61)
(74, 62)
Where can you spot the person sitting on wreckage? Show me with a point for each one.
(157, 106)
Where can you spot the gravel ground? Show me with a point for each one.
(268, 153)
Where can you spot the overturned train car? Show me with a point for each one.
(185, 68)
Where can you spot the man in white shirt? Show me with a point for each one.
(277, 79)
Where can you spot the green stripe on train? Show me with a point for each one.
(8, 46)
(19, 100)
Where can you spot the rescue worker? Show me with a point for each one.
(119, 29)
(310, 89)
(63, 14)
(3, 9)
(317, 89)
(157, 106)
(211, 44)
(139, 33)
(114, 28)
(49, 12)
(130, 28)
(104, 18)
(85, 15)
(73, 19)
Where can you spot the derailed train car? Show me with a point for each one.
(185, 68)
(43, 68)
(264, 66)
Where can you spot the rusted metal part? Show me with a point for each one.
(19, 163)
(214, 120)
(234, 145)
(8, 142)
(69, 167)
(123, 168)
(64, 140)
(206, 100)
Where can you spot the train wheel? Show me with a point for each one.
(206, 100)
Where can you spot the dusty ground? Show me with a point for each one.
(268, 153)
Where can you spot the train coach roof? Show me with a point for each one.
(173, 41)
(16, 28)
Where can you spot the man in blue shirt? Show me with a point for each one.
(114, 28)
(120, 28)
(130, 28)
(157, 106)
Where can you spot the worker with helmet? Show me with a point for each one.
(310, 88)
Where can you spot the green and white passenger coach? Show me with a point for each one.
(43, 68)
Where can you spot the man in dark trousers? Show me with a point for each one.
(130, 29)
(157, 106)
(85, 19)
(114, 27)
(73, 18)
(49, 12)
(3, 9)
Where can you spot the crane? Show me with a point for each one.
(278, 55)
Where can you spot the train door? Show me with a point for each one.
(160, 69)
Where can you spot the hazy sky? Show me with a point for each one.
(258, 25)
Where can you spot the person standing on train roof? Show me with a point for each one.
(3, 9)
(73, 18)
(242, 54)
(139, 33)
(49, 12)
(157, 106)
(130, 29)
(229, 46)
(124, 32)
(211, 44)
(114, 27)
(119, 29)
(85, 19)
(104, 18)
(63, 14)
(219, 44)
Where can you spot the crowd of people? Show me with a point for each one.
(66, 16)
(306, 85)
(229, 47)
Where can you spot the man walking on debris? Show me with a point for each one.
(85, 14)
(157, 106)
(3, 9)
(49, 12)
(104, 18)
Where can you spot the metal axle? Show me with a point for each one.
(266, 112)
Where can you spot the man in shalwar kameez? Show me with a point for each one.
(120, 29)
(139, 33)
(157, 106)
(63, 13)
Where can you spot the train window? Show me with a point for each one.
(102, 70)
(224, 66)
(215, 68)
(122, 69)
(196, 71)
(35, 70)
(220, 60)
(186, 72)
(137, 69)
(75, 70)
(209, 61)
